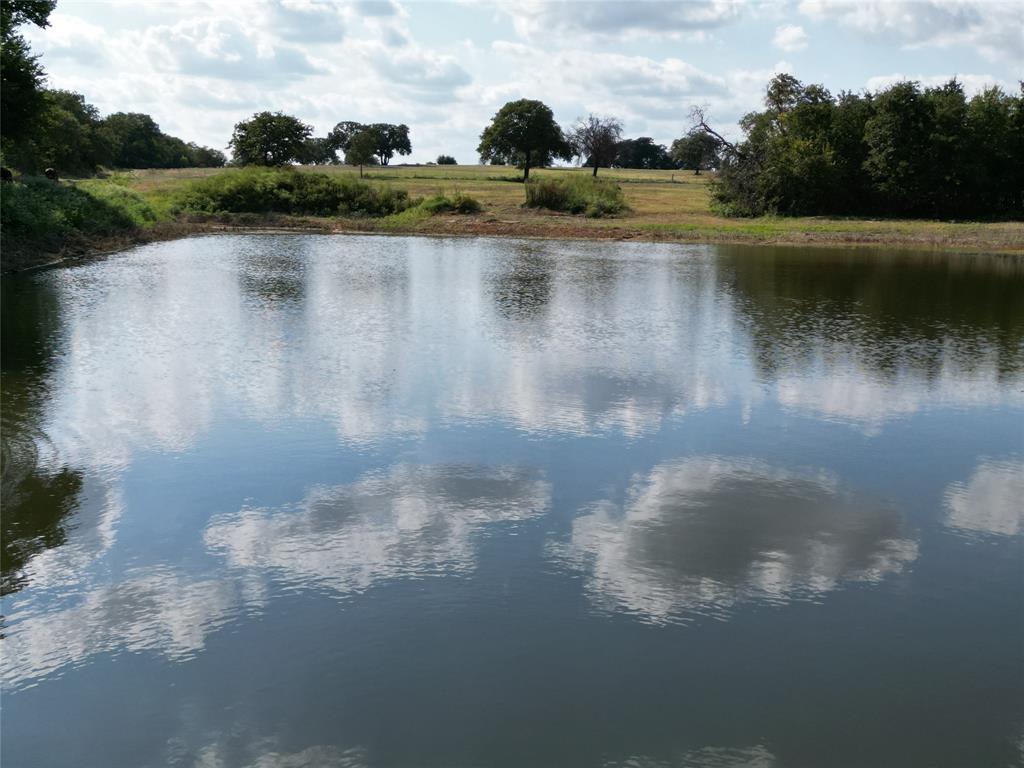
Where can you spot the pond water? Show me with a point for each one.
(287, 500)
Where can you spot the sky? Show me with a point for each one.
(445, 68)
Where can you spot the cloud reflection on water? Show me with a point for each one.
(411, 521)
(697, 536)
(990, 502)
(153, 609)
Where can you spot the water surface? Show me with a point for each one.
(289, 500)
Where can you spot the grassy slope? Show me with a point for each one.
(666, 205)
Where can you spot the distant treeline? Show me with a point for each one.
(902, 151)
(43, 128)
(68, 134)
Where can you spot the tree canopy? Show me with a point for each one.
(389, 139)
(642, 153)
(524, 132)
(269, 138)
(904, 150)
(21, 74)
(362, 149)
(697, 151)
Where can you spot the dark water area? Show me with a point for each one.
(290, 500)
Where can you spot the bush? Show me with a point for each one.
(446, 160)
(40, 214)
(271, 190)
(457, 202)
(576, 194)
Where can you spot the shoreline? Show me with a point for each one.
(553, 227)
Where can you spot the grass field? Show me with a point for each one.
(664, 205)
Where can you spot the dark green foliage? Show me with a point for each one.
(269, 138)
(642, 153)
(457, 202)
(391, 140)
(524, 132)
(446, 160)
(21, 74)
(42, 214)
(576, 194)
(388, 140)
(902, 151)
(288, 191)
(360, 150)
(69, 135)
(697, 151)
(318, 151)
(136, 141)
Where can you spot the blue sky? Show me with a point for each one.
(445, 68)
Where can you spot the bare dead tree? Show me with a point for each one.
(595, 140)
(697, 117)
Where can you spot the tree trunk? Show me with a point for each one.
(595, 170)
(360, 170)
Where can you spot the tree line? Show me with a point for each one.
(901, 151)
(524, 133)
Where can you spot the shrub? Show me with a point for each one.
(446, 160)
(576, 194)
(457, 202)
(268, 190)
(39, 214)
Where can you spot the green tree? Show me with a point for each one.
(391, 140)
(898, 140)
(642, 153)
(21, 74)
(526, 133)
(135, 140)
(69, 135)
(362, 150)
(269, 138)
(697, 151)
(318, 151)
(446, 160)
(343, 132)
(205, 157)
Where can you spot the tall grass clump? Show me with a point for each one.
(287, 191)
(37, 214)
(576, 194)
(455, 202)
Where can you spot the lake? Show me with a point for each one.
(327, 500)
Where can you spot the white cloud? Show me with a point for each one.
(972, 84)
(616, 19)
(995, 29)
(790, 38)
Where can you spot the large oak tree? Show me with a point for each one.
(524, 132)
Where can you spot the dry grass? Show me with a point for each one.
(665, 205)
